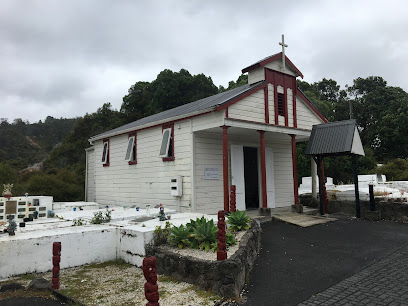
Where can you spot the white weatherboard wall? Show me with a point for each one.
(277, 65)
(147, 182)
(289, 98)
(250, 108)
(306, 118)
(271, 103)
(256, 75)
(209, 194)
(90, 196)
(283, 174)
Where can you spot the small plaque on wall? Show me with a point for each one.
(211, 173)
(11, 207)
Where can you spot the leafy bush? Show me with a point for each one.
(99, 217)
(161, 235)
(78, 222)
(204, 234)
(238, 221)
(395, 170)
(179, 236)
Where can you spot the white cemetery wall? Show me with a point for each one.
(32, 252)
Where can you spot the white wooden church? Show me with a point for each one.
(188, 157)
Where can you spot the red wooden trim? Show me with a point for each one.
(134, 162)
(271, 124)
(167, 126)
(263, 169)
(266, 104)
(312, 106)
(285, 105)
(225, 166)
(275, 94)
(226, 112)
(271, 59)
(240, 97)
(107, 156)
(294, 168)
(294, 90)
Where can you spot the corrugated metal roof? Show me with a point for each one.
(334, 138)
(200, 105)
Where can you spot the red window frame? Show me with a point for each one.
(168, 126)
(133, 162)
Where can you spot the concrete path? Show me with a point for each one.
(308, 218)
(346, 256)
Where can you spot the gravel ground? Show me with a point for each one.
(206, 255)
(119, 283)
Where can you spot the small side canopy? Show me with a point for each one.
(335, 139)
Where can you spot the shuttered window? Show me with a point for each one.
(281, 104)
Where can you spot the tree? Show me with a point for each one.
(242, 80)
(382, 115)
(169, 90)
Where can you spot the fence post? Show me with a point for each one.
(56, 258)
(222, 246)
(233, 199)
(372, 201)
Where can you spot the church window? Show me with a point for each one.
(130, 156)
(281, 104)
(105, 153)
(167, 144)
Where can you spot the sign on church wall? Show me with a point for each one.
(211, 173)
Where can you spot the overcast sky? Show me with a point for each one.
(67, 58)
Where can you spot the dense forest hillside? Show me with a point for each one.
(23, 144)
(381, 112)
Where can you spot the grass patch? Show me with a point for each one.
(162, 293)
(117, 263)
(189, 288)
(167, 279)
(207, 295)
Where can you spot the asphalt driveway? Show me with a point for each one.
(295, 263)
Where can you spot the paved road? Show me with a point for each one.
(296, 263)
(382, 283)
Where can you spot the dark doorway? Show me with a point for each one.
(251, 177)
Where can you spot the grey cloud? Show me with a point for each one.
(65, 58)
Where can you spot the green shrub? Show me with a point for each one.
(78, 222)
(238, 221)
(161, 235)
(99, 217)
(229, 239)
(179, 236)
(204, 234)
